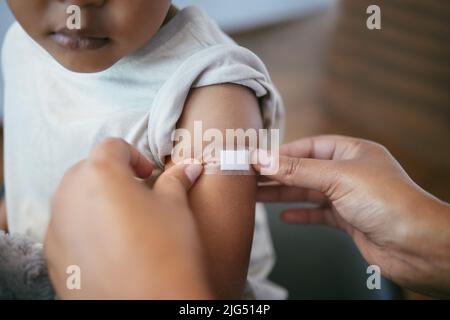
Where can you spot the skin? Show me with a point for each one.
(140, 243)
(224, 206)
(226, 218)
(359, 186)
(128, 25)
(361, 189)
(3, 223)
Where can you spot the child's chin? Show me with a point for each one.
(85, 67)
(81, 65)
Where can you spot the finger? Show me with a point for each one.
(179, 179)
(309, 216)
(298, 172)
(326, 147)
(289, 194)
(264, 179)
(316, 216)
(119, 151)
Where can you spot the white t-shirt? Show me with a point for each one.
(53, 117)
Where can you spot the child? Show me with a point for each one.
(137, 70)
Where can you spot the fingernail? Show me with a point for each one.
(193, 171)
(254, 159)
(261, 158)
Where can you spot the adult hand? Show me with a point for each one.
(129, 241)
(361, 189)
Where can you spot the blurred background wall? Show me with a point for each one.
(238, 15)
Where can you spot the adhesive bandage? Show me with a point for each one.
(230, 162)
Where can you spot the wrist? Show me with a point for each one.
(424, 244)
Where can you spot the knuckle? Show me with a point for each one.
(96, 170)
(380, 148)
(359, 144)
(106, 147)
(368, 144)
(170, 180)
(100, 170)
(97, 164)
(334, 180)
(375, 148)
(75, 169)
(291, 169)
(358, 147)
(111, 143)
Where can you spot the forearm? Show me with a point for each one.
(426, 249)
(434, 244)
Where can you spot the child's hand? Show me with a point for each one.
(361, 189)
(130, 242)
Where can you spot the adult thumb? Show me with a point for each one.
(299, 172)
(179, 179)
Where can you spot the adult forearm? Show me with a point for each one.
(425, 251)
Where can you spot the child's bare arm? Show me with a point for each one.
(224, 205)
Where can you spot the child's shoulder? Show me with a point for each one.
(197, 45)
(190, 31)
(202, 27)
